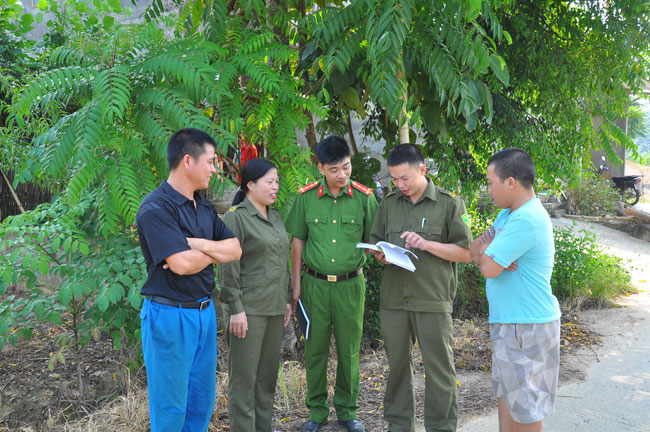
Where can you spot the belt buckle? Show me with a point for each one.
(331, 278)
(204, 304)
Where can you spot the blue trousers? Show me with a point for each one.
(180, 354)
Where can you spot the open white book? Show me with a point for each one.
(394, 254)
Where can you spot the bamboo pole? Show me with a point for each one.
(596, 218)
(638, 214)
(13, 192)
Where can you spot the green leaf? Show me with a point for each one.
(39, 17)
(351, 98)
(115, 5)
(508, 37)
(103, 303)
(56, 242)
(65, 294)
(108, 22)
(43, 267)
(26, 333)
(8, 275)
(42, 5)
(26, 21)
(66, 244)
(500, 69)
(487, 106)
(81, 7)
(83, 248)
(4, 326)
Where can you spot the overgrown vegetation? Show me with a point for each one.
(87, 112)
(594, 196)
(583, 273)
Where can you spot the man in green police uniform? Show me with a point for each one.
(417, 305)
(327, 220)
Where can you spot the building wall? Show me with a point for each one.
(138, 9)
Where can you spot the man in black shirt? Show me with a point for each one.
(181, 238)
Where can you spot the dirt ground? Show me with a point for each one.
(35, 398)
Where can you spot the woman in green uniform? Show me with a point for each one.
(256, 294)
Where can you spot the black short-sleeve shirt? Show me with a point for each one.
(165, 219)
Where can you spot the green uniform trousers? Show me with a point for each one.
(252, 371)
(337, 305)
(433, 331)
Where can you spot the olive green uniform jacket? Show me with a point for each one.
(258, 284)
(417, 306)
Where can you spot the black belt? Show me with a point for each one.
(186, 304)
(334, 278)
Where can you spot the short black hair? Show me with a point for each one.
(405, 153)
(187, 141)
(253, 170)
(515, 163)
(332, 149)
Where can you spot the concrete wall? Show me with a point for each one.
(29, 6)
(616, 171)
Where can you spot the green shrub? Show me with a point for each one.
(470, 297)
(470, 300)
(374, 271)
(593, 197)
(364, 168)
(584, 272)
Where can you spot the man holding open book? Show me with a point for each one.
(418, 304)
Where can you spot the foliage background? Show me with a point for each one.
(87, 112)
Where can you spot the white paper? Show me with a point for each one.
(393, 253)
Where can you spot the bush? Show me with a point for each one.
(470, 300)
(584, 272)
(594, 197)
(470, 297)
(374, 271)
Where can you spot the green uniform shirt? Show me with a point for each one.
(332, 226)
(259, 283)
(437, 215)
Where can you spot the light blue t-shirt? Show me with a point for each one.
(523, 296)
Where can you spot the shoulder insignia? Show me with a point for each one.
(233, 208)
(466, 219)
(308, 187)
(446, 192)
(366, 190)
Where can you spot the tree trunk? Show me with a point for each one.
(353, 143)
(386, 124)
(310, 133)
(13, 192)
(403, 119)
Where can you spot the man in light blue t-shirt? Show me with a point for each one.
(524, 313)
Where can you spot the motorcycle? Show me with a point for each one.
(628, 186)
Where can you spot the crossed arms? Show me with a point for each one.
(203, 252)
(489, 267)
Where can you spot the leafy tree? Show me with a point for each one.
(111, 98)
(419, 62)
(573, 65)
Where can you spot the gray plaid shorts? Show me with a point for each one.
(525, 367)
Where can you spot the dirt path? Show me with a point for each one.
(615, 392)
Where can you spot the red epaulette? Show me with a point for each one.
(310, 186)
(366, 190)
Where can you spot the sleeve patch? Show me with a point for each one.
(467, 219)
(233, 208)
